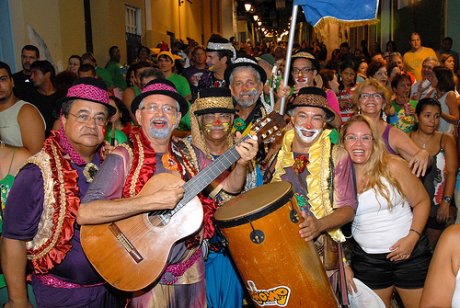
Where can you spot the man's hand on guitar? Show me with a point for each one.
(166, 198)
(247, 149)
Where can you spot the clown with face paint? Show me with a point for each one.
(320, 172)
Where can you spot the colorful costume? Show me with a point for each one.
(41, 209)
(182, 283)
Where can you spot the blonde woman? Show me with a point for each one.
(390, 253)
(371, 98)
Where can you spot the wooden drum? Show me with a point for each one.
(277, 265)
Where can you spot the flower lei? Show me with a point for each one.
(316, 181)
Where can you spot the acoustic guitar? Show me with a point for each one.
(132, 253)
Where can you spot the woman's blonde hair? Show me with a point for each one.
(371, 82)
(377, 167)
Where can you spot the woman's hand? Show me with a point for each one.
(419, 163)
(349, 275)
(403, 248)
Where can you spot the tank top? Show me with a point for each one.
(376, 227)
(386, 139)
(5, 187)
(445, 126)
(435, 179)
(9, 126)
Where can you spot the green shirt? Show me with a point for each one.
(183, 87)
(117, 76)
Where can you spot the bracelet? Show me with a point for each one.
(418, 233)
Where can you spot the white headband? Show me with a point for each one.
(222, 46)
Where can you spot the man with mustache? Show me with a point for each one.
(40, 216)
(211, 116)
(319, 171)
(246, 80)
(114, 194)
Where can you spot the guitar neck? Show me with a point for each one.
(218, 166)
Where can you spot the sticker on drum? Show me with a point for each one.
(277, 296)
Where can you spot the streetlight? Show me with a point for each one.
(247, 6)
(256, 17)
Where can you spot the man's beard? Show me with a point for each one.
(307, 139)
(161, 133)
(246, 102)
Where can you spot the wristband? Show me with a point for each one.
(418, 233)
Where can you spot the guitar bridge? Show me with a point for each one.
(127, 245)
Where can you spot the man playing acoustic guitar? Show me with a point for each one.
(118, 193)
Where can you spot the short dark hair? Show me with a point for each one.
(45, 67)
(65, 108)
(427, 101)
(87, 68)
(31, 48)
(398, 79)
(112, 49)
(216, 38)
(75, 57)
(6, 67)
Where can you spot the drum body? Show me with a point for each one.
(278, 267)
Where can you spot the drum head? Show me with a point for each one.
(253, 204)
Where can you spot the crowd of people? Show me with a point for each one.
(369, 144)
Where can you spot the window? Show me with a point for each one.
(132, 20)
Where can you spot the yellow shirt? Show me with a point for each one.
(413, 60)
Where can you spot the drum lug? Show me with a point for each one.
(294, 216)
(256, 236)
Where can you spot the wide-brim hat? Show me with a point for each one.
(245, 61)
(89, 89)
(308, 56)
(164, 87)
(313, 97)
(212, 100)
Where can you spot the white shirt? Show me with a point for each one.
(376, 227)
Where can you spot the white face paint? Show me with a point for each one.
(307, 135)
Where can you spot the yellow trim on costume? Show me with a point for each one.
(317, 180)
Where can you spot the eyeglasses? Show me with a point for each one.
(352, 139)
(304, 70)
(99, 119)
(366, 96)
(212, 117)
(153, 108)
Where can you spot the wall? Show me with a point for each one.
(453, 23)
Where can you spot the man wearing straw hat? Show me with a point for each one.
(158, 110)
(211, 116)
(320, 172)
(40, 221)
